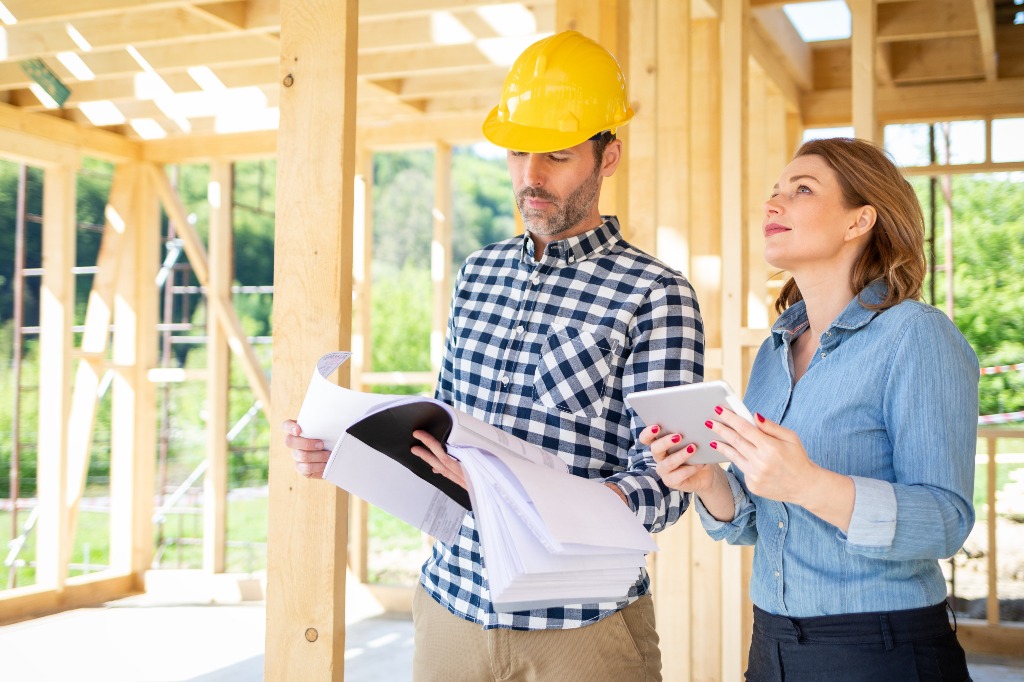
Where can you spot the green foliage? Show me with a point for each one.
(988, 278)
(482, 203)
(403, 199)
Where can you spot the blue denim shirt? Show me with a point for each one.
(891, 400)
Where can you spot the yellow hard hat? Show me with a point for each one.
(561, 91)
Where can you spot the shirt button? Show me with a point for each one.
(781, 524)
(776, 574)
(824, 354)
(519, 329)
(504, 381)
(534, 278)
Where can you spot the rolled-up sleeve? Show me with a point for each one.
(931, 413)
(742, 530)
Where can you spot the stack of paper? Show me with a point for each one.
(548, 538)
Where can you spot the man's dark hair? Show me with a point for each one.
(601, 140)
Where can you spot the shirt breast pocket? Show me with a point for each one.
(572, 372)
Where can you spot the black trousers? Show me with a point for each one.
(892, 646)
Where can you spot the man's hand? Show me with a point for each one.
(308, 453)
(433, 453)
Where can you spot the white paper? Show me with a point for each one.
(548, 538)
(327, 411)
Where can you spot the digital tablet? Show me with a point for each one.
(684, 409)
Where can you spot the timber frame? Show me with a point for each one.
(723, 90)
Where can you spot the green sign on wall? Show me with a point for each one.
(38, 71)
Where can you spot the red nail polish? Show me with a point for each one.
(718, 409)
(676, 438)
(655, 429)
(714, 444)
(708, 424)
(691, 448)
(759, 416)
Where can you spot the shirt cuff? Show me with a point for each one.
(709, 522)
(873, 523)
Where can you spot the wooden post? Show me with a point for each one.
(95, 339)
(735, 26)
(218, 368)
(133, 433)
(706, 132)
(308, 519)
(441, 251)
(609, 26)
(862, 62)
(57, 303)
(362, 346)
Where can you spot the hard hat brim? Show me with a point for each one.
(528, 139)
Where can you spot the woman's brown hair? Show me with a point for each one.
(895, 248)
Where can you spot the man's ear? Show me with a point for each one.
(610, 159)
(865, 220)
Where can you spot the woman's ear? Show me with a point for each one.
(865, 220)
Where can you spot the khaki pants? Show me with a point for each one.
(620, 648)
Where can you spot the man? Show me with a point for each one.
(547, 334)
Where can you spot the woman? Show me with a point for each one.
(859, 474)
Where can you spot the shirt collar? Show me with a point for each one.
(854, 315)
(578, 247)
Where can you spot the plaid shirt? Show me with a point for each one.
(546, 351)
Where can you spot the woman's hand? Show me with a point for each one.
(775, 465)
(772, 458)
(707, 481)
(672, 458)
(433, 453)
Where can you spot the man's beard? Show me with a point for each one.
(567, 214)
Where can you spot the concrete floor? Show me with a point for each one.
(151, 639)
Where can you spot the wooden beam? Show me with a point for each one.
(862, 63)
(308, 520)
(672, 574)
(641, 148)
(774, 29)
(984, 14)
(394, 9)
(461, 128)
(953, 59)
(218, 369)
(196, 148)
(99, 313)
(56, 315)
(910, 104)
(735, 25)
(925, 20)
(761, 51)
(133, 401)
(441, 251)
(50, 132)
(23, 603)
(141, 27)
(50, 11)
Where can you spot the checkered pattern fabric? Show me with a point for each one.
(546, 351)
